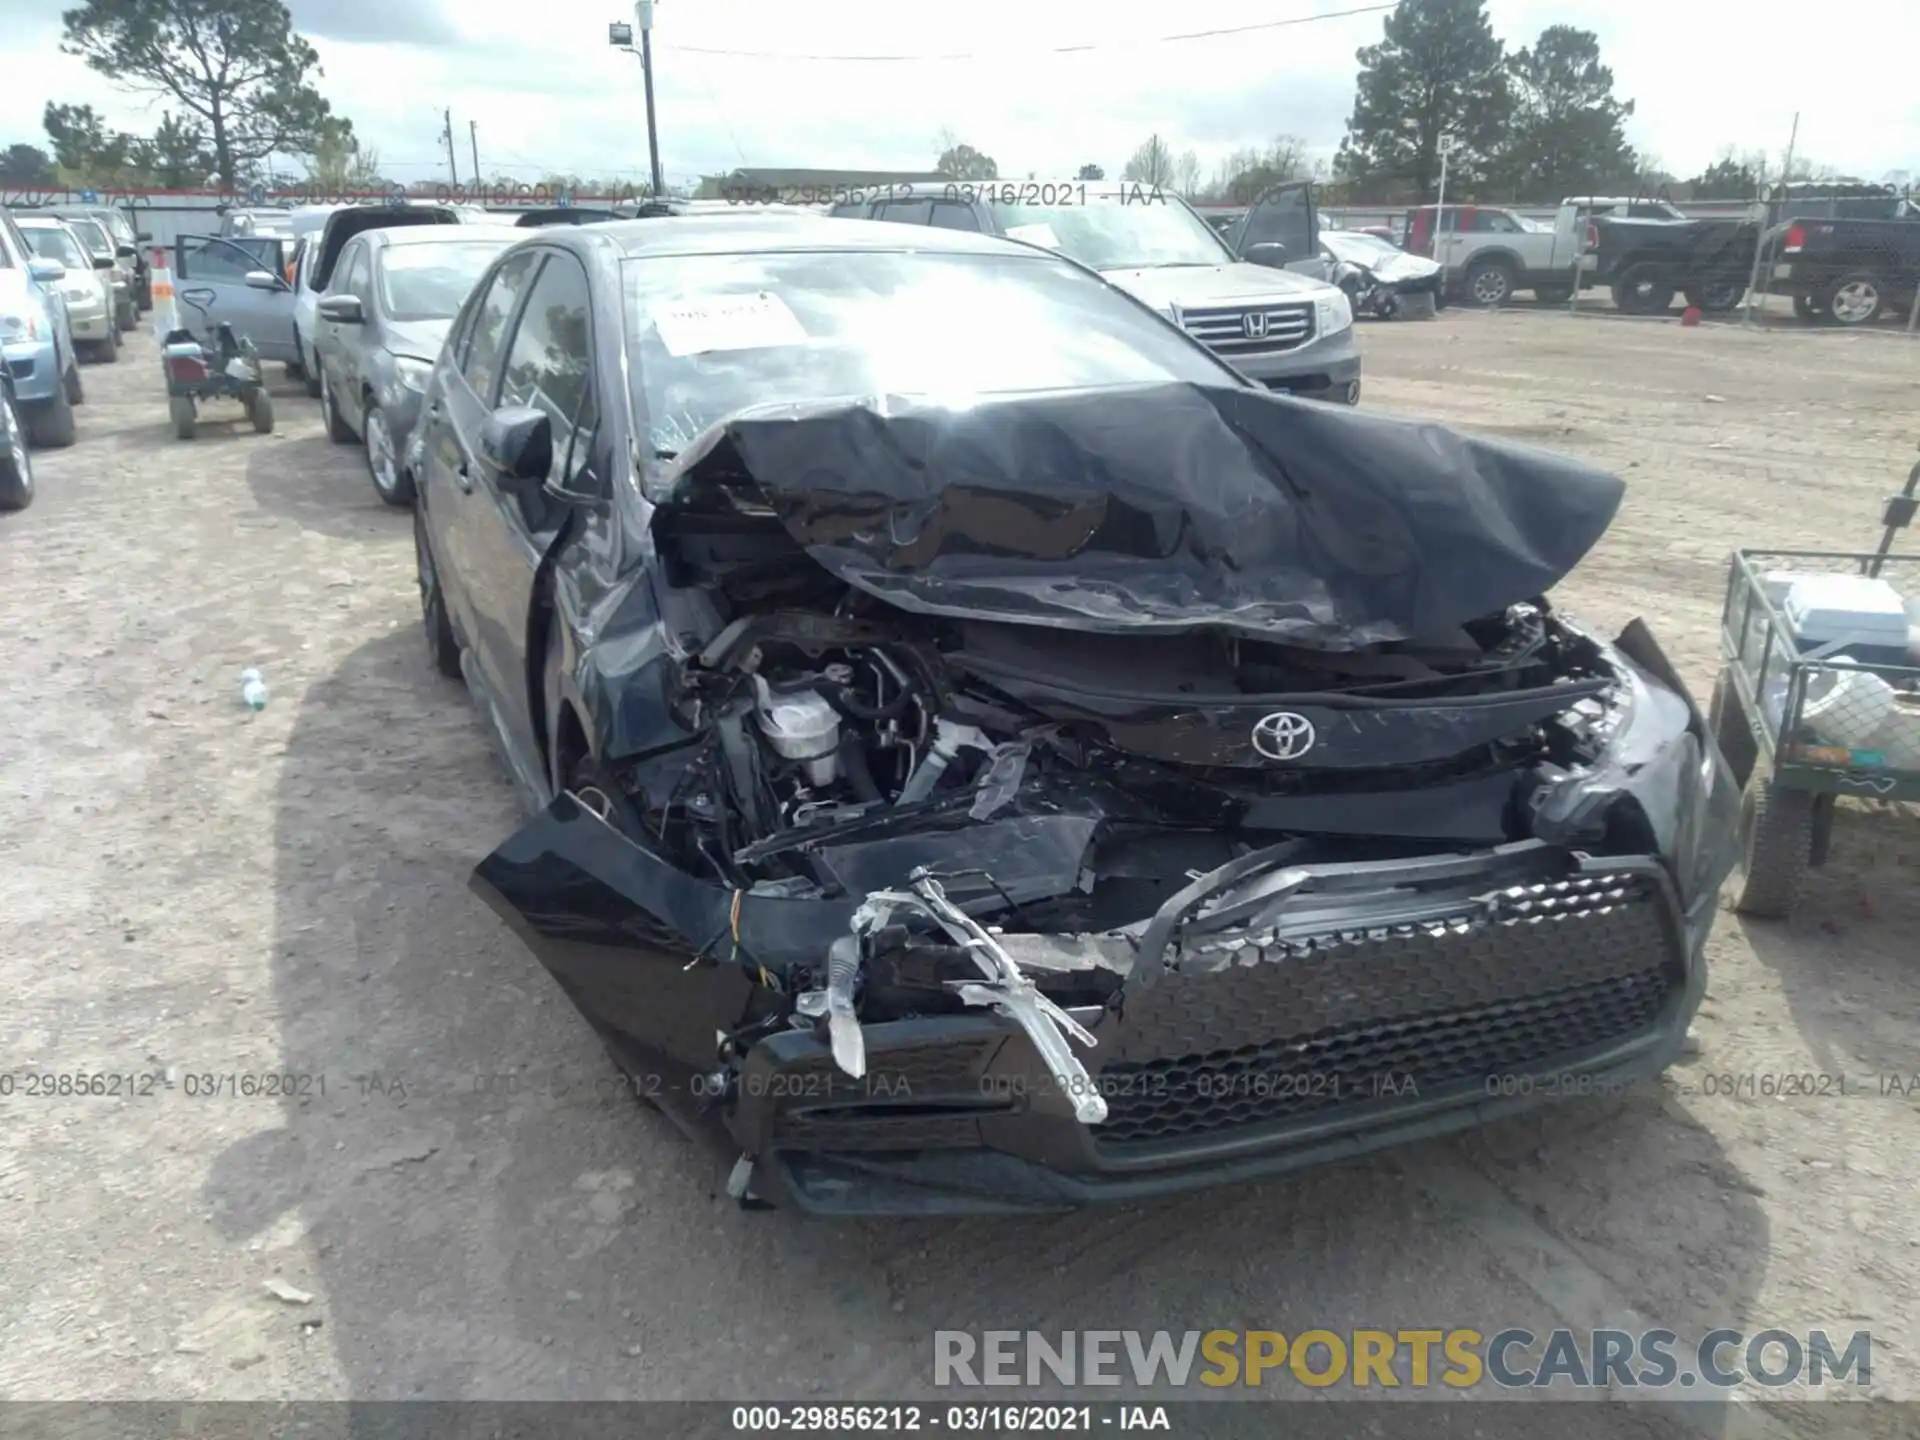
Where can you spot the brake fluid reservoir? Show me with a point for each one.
(800, 725)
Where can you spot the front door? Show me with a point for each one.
(1286, 214)
(210, 281)
(508, 527)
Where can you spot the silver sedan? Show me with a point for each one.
(380, 326)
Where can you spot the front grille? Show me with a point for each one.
(1269, 1032)
(1288, 327)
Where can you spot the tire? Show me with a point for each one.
(98, 352)
(442, 648)
(74, 387)
(1420, 306)
(1717, 294)
(50, 423)
(1776, 846)
(391, 482)
(186, 420)
(260, 412)
(1726, 718)
(1856, 298)
(1805, 308)
(1643, 289)
(16, 465)
(309, 367)
(1553, 294)
(1490, 283)
(338, 431)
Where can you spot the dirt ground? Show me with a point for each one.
(188, 889)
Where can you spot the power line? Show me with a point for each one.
(1051, 49)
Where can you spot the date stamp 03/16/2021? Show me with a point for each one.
(1042, 193)
(61, 1083)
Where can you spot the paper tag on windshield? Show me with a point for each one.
(1041, 234)
(727, 322)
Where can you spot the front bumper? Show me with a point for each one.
(35, 368)
(1325, 368)
(1347, 1035)
(93, 322)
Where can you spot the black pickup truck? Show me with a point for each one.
(1848, 270)
(1845, 252)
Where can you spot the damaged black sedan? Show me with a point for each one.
(988, 756)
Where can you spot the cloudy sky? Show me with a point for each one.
(549, 94)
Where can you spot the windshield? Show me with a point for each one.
(714, 334)
(92, 236)
(51, 244)
(431, 282)
(1143, 230)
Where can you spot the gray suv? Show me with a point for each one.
(1262, 308)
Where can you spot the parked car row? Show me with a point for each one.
(39, 354)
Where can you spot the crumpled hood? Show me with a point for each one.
(1394, 268)
(1160, 507)
(1197, 286)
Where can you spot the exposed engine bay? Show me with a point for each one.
(816, 723)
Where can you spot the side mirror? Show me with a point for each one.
(1270, 253)
(46, 271)
(128, 252)
(517, 441)
(144, 237)
(341, 309)
(104, 262)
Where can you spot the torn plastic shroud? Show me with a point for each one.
(1158, 507)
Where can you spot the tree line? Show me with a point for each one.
(237, 98)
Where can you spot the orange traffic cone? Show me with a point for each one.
(160, 280)
(1690, 315)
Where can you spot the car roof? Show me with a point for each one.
(437, 234)
(760, 231)
(42, 221)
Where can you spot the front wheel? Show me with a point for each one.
(186, 420)
(442, 648)
(260, 411)
(1776, 847)
(75, 387)
(391, 482)
(50, 424)
(16, 466)
(1643, 290)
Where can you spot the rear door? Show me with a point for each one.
(343, 347)
(1286, 215)
(210, 279)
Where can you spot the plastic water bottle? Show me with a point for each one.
(253, 689)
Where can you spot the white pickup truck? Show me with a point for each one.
(1490, 252)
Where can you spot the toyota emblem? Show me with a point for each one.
(1253, 325)
(1283, 735)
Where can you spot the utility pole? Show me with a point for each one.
(620, 36)
(473, 135)
(453, 156)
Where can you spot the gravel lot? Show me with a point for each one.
(190, 889)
